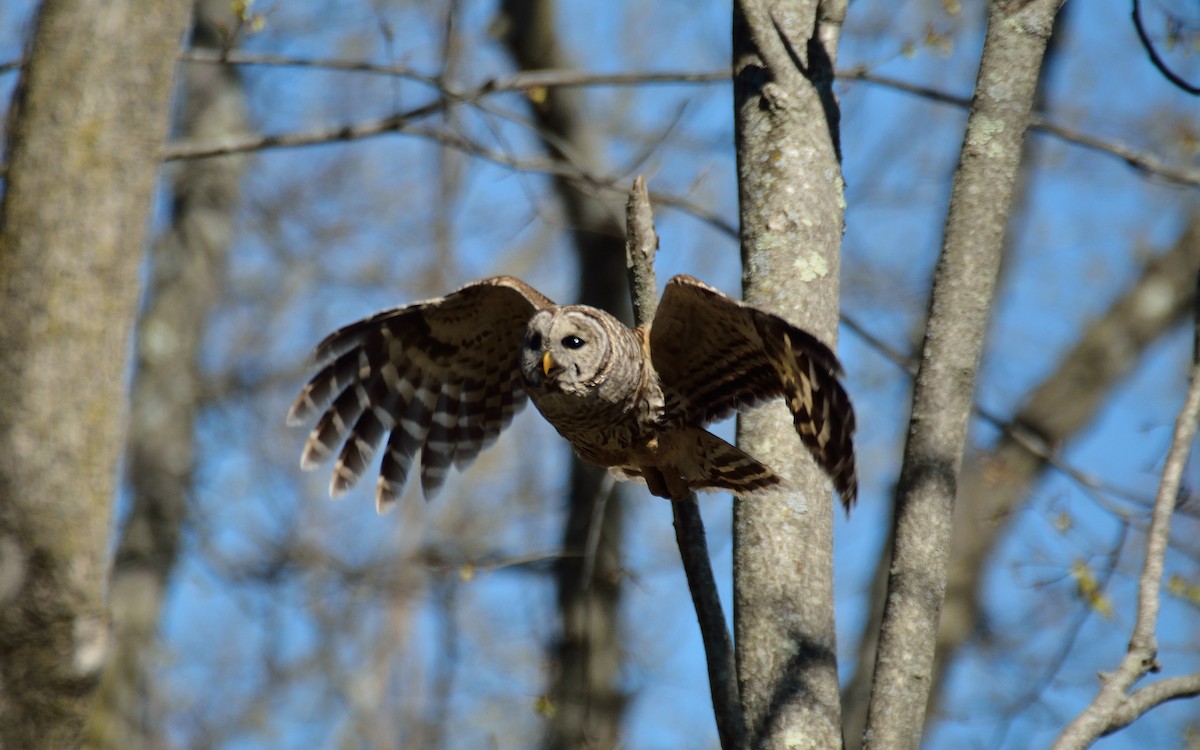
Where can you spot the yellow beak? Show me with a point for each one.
(547, 363)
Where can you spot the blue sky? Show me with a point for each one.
(331, 233)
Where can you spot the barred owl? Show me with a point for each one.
(445, 376)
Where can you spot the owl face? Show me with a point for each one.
(565, 350)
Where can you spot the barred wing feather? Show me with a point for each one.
(440, 377)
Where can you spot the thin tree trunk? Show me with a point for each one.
(857, 692)
(89, 123)
(1056, 411)
(963, 287)
(188, 263)
(791, 209)
(589, 705)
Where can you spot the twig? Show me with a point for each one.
(1068, 642)
(1141, 701)
(1009, 428)
(599, 506)
(641, 243)
(1113, 707)
(520, 81)
(400, 122)
(1143, 162)
(1171, 75)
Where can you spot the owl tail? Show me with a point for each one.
(706, 462)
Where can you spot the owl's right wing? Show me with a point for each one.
(442, 376)
(715, 355)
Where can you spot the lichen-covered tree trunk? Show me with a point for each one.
(960, 302)
(187, 269)
(589, 704)
(791, 211)
(88, 127)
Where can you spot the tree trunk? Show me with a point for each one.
(89, 123)
(963, 287)
(791, 211)
(188, 264)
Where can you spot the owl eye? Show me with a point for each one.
(573, 342)
(534, 341)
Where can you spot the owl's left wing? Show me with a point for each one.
(715, 355)
(442, 376)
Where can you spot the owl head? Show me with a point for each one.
(567, 349)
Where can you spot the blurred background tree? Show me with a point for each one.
(333, 158)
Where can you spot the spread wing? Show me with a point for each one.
(715, 355)
(441, 376)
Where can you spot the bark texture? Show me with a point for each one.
(791, 211)
(90, 120)
(588, 701)
(187, 270)
(963, 287)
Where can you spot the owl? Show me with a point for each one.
(444, 378)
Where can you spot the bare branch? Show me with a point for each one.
(520, 81)
(641, 245)
(1110, 708)
(1159, 63)
(1141, 701)
(718, 643)
(1146, 163)
(401, 124)
(1143, 162)
(641, 242)
(396, 123)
